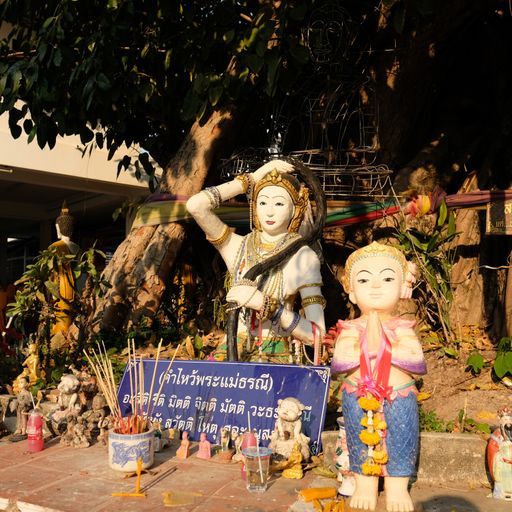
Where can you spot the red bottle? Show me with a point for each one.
(35, 431)
(248, 439)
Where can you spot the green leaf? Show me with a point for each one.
(508, 362)
(450, 351)
(254, 62)
(16, 79)
(475, 362)
(57, 57)
(500, 366)
(483, 427)
(214, 94)
(103, 81)
(420, 245)
(3, 82)
(228, 36)
(443, 213)
(167, 61)
(53, 289)
(273, 62)
(86, 135)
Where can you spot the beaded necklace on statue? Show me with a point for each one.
(254, 250)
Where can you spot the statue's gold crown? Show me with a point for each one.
(298, 193)
(373, 249)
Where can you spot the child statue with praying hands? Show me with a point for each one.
(379, 354)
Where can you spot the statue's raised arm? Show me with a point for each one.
(270, 329)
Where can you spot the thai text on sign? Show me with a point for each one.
(204, 396)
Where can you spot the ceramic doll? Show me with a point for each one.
(499, 456)
(342, 462)
(205, 449)
(269, 326)
(379, 354)
(183, 450)
(23, 406)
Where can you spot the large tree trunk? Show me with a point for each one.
(140, 267)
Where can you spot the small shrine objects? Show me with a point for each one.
(288, 430)
(294, 463)
(184, 449)
(236, 439)
(342, 462)
(499, 456)
(226, 452)
(23, 404)
(133, 430)
(205, 449)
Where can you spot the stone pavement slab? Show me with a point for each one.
(61, 479)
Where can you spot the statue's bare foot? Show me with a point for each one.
(397, 495)
(365, 495)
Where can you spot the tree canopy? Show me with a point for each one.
(122, 71)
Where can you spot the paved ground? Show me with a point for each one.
(75, 480)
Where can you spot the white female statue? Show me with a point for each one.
(277, 207)
(379, 354)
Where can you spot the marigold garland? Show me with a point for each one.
(370, 468)
(369, 403)
(380, 456)
(369, 438)
(375, 426)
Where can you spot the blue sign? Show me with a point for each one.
(204, 396)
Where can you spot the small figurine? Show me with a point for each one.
(31, 370)
(294, 463)
(104, 425)
(379, 354)
(205, 448)
(226, 453)
(236, 439)
(162, 437)
(288, 429)
(499, 456)
(80, 439)
(183, 450)
(68, 398)
(345, 476)
(67, 438)
(88, 385)
(23, 404)
(94, 416)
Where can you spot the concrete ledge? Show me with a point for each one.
(445, 459)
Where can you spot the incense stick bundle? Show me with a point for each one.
(140, 417)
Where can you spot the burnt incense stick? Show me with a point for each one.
(154, 375)
(163, 380)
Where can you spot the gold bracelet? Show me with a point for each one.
(310, 285)
(314, 299)
(245, 180)
(223, 238)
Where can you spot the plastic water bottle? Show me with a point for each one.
(248, 439)
(35, 431)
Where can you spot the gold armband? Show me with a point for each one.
(223, 238)
(310, 285)
(313, 299)
(245, 180)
